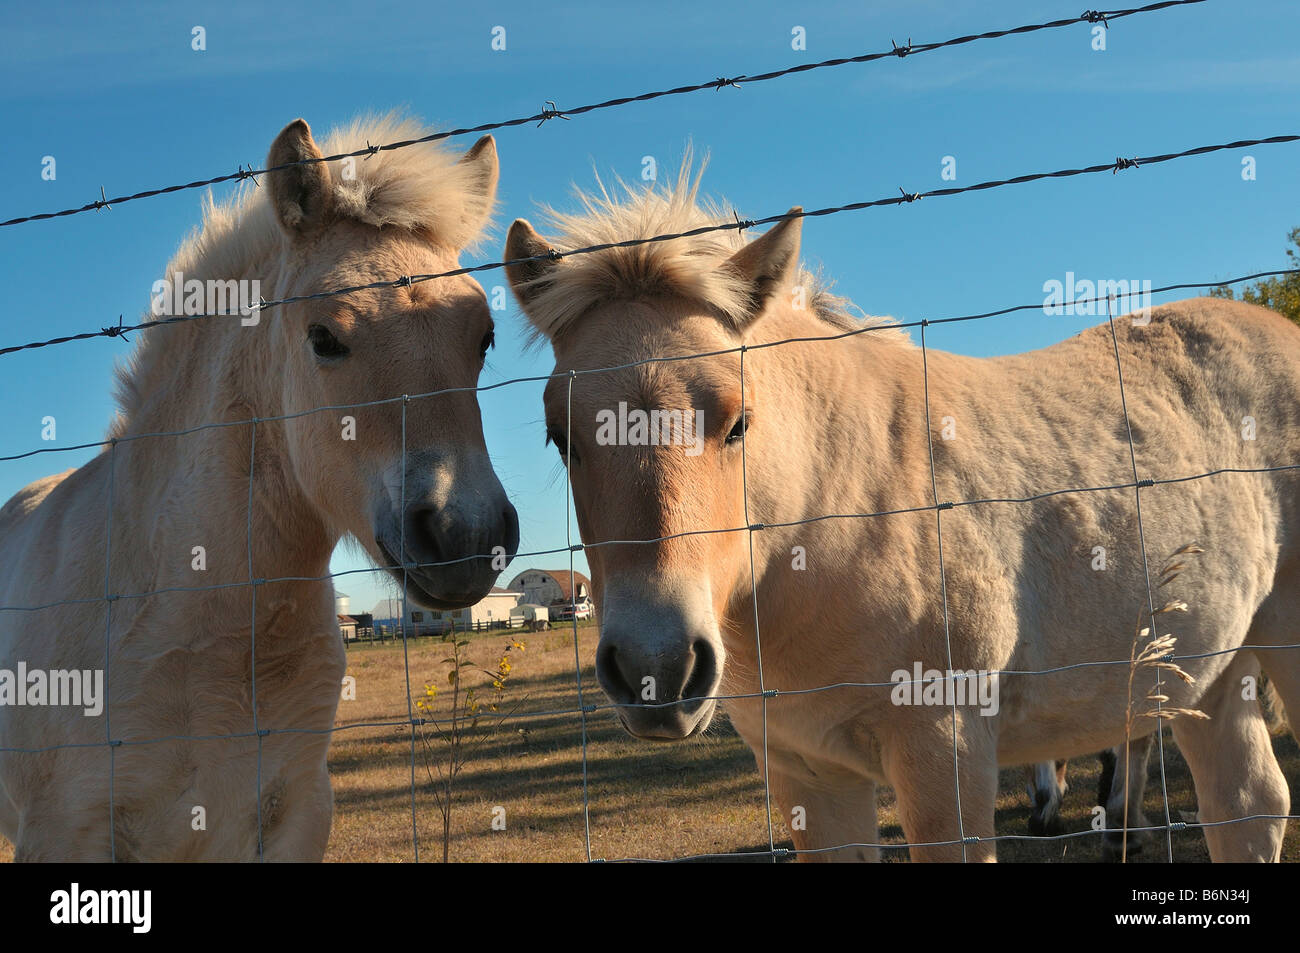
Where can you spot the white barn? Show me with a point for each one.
(492, 609)
(550, 587)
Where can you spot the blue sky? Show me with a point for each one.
(120, 99)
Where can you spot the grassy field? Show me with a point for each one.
(645, 801)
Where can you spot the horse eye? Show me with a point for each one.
(489, 341)
(561, 444)
(324, 343)
(739, 429)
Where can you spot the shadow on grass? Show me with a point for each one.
(538, 760)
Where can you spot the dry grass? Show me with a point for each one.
(655, 801)
(646, 800)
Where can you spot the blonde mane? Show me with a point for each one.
(686, 267)
(422, 188)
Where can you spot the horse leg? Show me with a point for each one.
(1282, 666)
(1046, 790)
(1112, 841)
(1234, 769)
(822, 816)
(919, 765)
(53, 837)
(300, 832)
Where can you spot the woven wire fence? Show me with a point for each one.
(766, 694)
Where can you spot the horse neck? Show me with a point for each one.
(193, 375)
(842, 432)
(832, 405)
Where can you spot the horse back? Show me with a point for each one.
(26, 500)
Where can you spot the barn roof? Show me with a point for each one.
(561, 577)
(387, 609)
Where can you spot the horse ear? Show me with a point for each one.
(301, 193)
(528, 278)
(483, 169)
(767, 264)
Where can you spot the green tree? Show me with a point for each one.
(1281, 293)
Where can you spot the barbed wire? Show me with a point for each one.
(895, 52)
(403, 281)
(765, 694)
(609, 368)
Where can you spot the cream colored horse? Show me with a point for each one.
(411, 482)
(839, 427)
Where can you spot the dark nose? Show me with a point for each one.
(511, 531)
(633, 673)
(623, 672)
(430, 538)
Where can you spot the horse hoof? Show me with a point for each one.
(1051, 828)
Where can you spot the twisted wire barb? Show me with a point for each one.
(553, 113)
(905, 198)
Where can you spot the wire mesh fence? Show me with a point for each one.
(768, 694)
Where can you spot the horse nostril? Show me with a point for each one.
(422, 535)
(627, 675)
(705, 671)
(611, 678)
(511, 527)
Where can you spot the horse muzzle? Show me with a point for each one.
(445, 560)
(662, 678)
